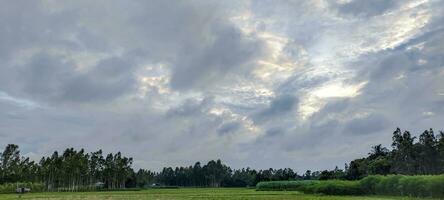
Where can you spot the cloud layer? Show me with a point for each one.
(300, 84)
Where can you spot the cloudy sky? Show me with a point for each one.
(266, 83)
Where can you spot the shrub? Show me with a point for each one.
(435, 186)
(397, 185)
(334, 187)
(283, 185)
(329, 187)
(369, 184)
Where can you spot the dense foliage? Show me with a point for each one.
(399, 185)
(408, 156)
(285, 185)
(212, 174)
(79, 171)
(334, 187)
(329, 187)
(71, 171)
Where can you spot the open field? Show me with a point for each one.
(191, 193)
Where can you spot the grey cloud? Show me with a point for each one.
(409, 57)
(43, 75)
(363, 8)
(229, 127)
(283, 103)
(300, 20)
(333, 109)
(197, 40)
(30, 28)
(211, 107)
(49, 78)
(278, 107)
(401, 82)
(190, 107)
(315, 134)
(110, 79)
(366, 125)
(228, 51)
(302, 81)
(274, 131)
(26, 24)
(403, 73)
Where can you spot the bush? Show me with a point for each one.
(397, 185)
(334, 187)
(435, 186)
(283, 185)
(369, 184)
(414, 186)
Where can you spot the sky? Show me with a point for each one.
(258, 83)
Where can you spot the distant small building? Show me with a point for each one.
(22, 190)
(99, 184)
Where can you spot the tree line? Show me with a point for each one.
(75, 170)
(409, 155)
(216, 174)
(70, 171)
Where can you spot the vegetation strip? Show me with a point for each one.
(77, 170)
(399, 185)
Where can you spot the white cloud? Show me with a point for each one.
(18, 101)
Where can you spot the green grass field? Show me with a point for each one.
(189, 193)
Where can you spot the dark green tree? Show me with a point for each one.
(10, 162)
(404, 153)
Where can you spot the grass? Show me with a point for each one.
(191, 193)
